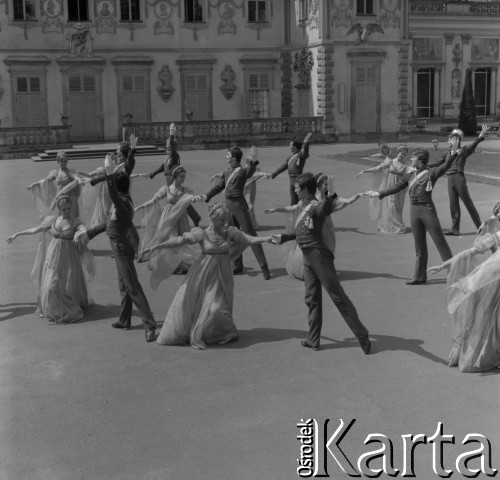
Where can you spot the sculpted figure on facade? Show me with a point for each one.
(456, 77)
(342, 13)
(165, 90)
(228, 87)
(80, 41)
(303, 64)
(226, 12)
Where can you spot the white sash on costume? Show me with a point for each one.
(233, 174)
(304, 211)
(292, 159)
(416, 178)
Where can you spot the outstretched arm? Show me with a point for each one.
(29, 231)
(290, 208)
(184, 239)
(385, 164)
(342, 202)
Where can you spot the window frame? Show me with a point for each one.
(431, 72)
(363, 11)
(487, 72)
(78, 2)
(23, 6)
(131, 20)
(203, 5)
(265, 3)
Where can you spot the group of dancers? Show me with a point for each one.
(201, 311)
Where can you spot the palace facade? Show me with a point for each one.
(352, 67)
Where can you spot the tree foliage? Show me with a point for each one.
(467, 120)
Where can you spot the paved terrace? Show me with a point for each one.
(85, 401)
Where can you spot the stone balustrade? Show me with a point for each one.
(33, 138)
(216, 131)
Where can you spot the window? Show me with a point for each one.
(482, 90)
(425, 93)
(78, 11)
(364, 7)
(24, 10)
(193, 11)
(134, 97)
(257, 11)
(130, 11)
(197, 96)
(259, 89)
(302, 7)
(29, 102)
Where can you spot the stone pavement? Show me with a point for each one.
(85, 401)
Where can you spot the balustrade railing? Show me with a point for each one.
(26, 138)
(430, 7)
(208, 131)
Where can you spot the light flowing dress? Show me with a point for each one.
(166, 217)
(61, 273)
(201, 312)
(58, 182)
(474, 307)
(388, 211)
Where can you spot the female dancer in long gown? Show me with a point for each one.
(388, 211)
(201, 312)
(58, 182)
(59, 272)
(165, 216)
(474, 306)
(292, 254)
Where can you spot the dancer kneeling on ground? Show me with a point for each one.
(473, 307)
(319, 269)
(59, 270)
(202, 310)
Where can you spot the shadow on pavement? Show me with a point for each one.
(101, 312)
(14, 310)
(346, 275)
(354, 230)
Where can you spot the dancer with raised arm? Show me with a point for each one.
(173, 160)
(293, 254)
(319, 269)
(232, 180)
(420, 181)
(59, 271)
(124, 250)
(201, 312)
(472, 302)
(294, 164)
(457, 184)
(58, 182)
(389, 211)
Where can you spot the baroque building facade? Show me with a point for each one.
(361, 66)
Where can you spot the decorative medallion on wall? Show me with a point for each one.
(163, 11)
(425, 49)
(342, 13)
(303, 64)
(165, 90)
(52, 16)
(456, 80)
(105, 21)
(80, 40)
(228, 87)
(390, 13)
(364, 31)
(484, 49)
(227, 11)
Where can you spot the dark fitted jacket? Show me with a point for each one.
(296, 167)
(126, 167)
(171, 161)
(306, 236)
(234, 190)
(121, 213)
(418, 193)
(459, 163)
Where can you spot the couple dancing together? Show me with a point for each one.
(201, 312)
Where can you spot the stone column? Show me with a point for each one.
(326, 91)
(286, 84)
(403, 54)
